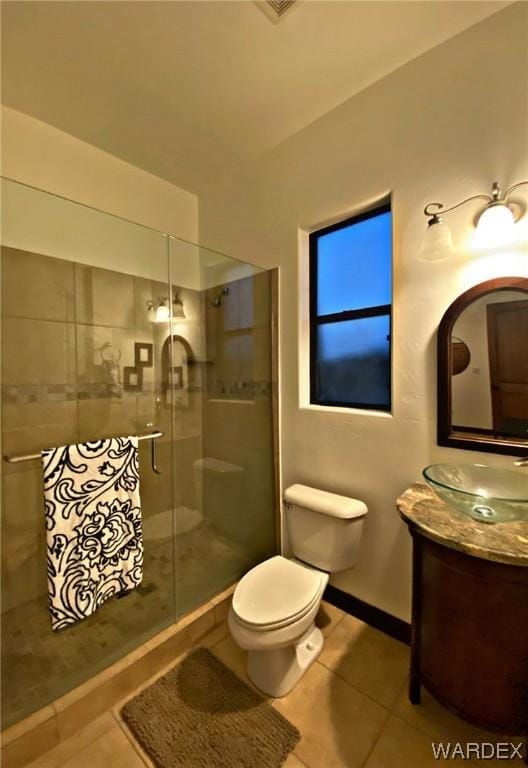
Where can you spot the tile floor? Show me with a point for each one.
(351, 709)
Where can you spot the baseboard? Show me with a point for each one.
(375, 617)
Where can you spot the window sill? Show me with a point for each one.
(345, 410)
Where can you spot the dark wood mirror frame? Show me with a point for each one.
(477, 441)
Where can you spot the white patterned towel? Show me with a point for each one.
(93, 525)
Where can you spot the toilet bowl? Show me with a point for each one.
(272, 617)
(274, 605)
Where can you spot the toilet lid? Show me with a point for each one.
(276, 591)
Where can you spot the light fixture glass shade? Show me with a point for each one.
(177, 309)
(162, 314)
(495, 227)
(437, 243)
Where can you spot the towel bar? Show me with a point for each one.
(151, 436)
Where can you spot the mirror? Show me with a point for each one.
(460, 356)
(483, 369)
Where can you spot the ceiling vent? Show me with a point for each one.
(276, 10)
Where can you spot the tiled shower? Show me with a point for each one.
(89, 351)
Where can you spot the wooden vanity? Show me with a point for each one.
(469, 612)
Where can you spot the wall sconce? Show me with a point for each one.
(494, 224)
(177, 307)
(160, 312)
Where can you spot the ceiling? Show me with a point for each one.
(184, 89)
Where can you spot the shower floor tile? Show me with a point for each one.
(39, 665)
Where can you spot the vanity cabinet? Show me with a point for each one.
(470, 635)
(469, 644)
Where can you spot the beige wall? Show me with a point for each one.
(43, 223)
(44, 157)
(441, 128)
(41, 156)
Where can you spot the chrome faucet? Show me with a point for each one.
(523, 462)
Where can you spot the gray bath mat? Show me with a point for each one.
(201, 715)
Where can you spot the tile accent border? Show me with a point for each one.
(28, 739)
(58, 393)
(376, 617)
(23, 394)
(239, 390)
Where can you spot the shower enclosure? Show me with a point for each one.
(110, 328)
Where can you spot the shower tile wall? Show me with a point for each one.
(68, 331)
(238, 339)
(238, 423)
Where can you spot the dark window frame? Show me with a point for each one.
(354, 314)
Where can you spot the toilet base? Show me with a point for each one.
(277, 671)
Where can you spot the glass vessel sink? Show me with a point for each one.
(487, 494)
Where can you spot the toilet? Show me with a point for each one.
(274, 605)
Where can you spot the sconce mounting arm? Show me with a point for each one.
(434, 210)
(441, 209)
(513, 186)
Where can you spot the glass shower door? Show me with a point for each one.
(221, 383)
(81, 361)
(112, 329)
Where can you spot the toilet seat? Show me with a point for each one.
(276, 593)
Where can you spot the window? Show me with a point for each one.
(350, 312)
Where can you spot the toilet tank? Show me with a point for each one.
(324, 528)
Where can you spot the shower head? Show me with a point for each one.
(218, 301)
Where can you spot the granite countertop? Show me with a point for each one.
(421, 508)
